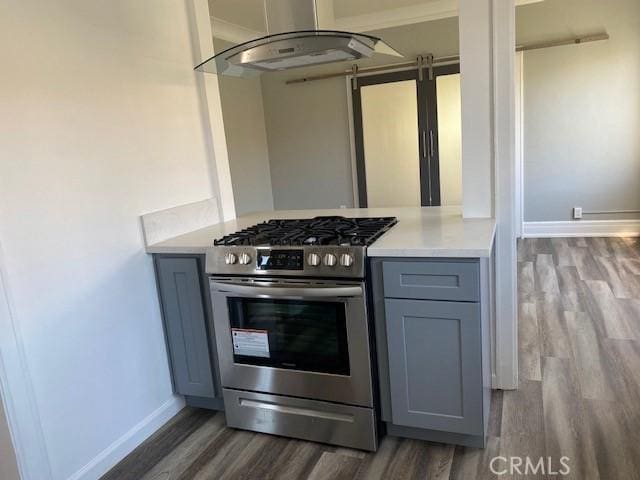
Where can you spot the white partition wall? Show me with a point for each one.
(476, 90)
(504, 69)
(487, 53)
(211, 106)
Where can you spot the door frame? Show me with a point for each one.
(519, 144)
(426, 173)
(426, 94)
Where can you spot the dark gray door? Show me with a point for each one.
(182, 300)
(435, 365)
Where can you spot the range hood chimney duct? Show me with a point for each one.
(290, 15)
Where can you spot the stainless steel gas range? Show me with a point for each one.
(292, 329)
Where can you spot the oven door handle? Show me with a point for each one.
(273, 292)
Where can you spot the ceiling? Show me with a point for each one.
(238, 21)
(350, 8)
(250, 13)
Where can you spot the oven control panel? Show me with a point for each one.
(280, 260)
(322, 261)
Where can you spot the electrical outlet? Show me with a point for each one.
(577, 213)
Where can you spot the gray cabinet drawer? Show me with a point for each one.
(435, 365)
(432, 280)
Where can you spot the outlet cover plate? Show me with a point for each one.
(577, 213)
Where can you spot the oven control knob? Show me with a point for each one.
(313, 259)
(245, 259)
(330, 260)
(346, 260)
(230, 258)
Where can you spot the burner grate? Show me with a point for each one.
(312, 232)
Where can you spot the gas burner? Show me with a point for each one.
(318, 231)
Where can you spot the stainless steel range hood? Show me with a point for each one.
(294, 41)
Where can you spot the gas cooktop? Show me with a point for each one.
(312, 232)
(313, 247)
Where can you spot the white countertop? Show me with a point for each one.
(420, 232)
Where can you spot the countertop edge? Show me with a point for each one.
(419, 253)
(156, 249)
(371, 252)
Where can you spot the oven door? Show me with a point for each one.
(307, 339)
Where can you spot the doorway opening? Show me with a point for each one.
(407, 138)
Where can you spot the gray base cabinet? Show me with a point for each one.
(432, 343)
(186, 312)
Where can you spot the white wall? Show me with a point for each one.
(246, 136)
(581, 109)
(308, 138)
(101, 121)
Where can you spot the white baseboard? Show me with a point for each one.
(119, 449)
(583, 228)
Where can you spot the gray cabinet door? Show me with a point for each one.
(435, 365)
(182, 301)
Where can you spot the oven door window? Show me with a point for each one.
(290, 334)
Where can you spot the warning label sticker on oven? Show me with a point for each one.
(252, 343)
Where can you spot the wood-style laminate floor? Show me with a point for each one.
(579, 395)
